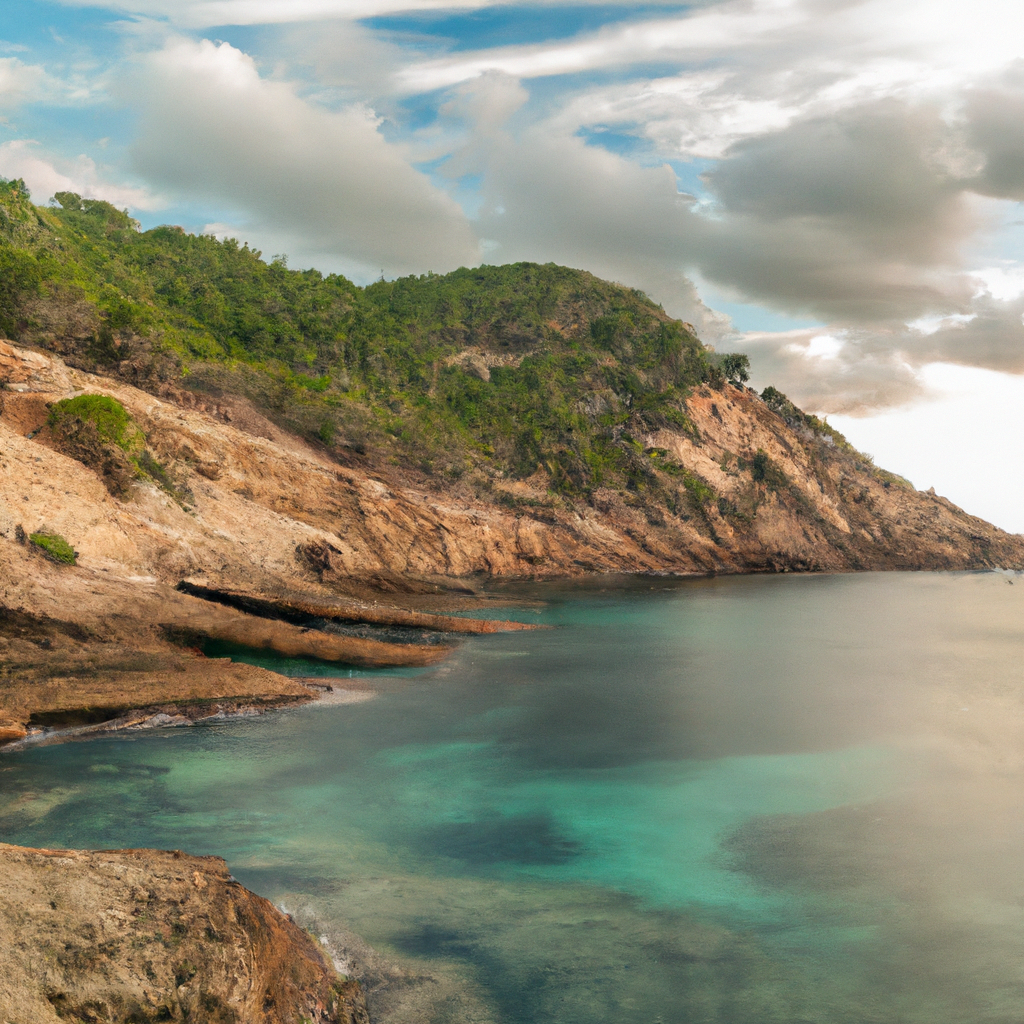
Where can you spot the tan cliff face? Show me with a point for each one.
(256, 511)
(262, 529)
(148, 935)
(256, 499)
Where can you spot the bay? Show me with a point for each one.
(739, 799)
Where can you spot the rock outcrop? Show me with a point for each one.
(148, 935)
(241, 533)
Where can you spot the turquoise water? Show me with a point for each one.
(732, 800)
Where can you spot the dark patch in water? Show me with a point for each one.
(515, 989)
(431, 940)
(522, 839)
(278, 880)
(828, 851)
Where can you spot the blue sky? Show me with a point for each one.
(833, 186)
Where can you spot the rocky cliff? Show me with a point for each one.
(247, 534)
(148, 935)
(121, 561)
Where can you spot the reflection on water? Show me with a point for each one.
(735, 800)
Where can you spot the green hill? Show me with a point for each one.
(505, 369)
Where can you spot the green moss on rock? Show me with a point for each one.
(110, 418)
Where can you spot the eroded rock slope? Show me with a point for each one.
(237, 506)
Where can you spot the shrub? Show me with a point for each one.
(97, 431)
(701, 492)
(763, 470)
(178, 490)
(776, 400)
(55, 547)
(109, 417)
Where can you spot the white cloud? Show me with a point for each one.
(824, 346)
(320, 181)
(200, 14)
(824, 373)
(725, 28)
(966, 441)
(932, 324)
(851, 140)
(1004, 284)
(20, 82)
(46, 175)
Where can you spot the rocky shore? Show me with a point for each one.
(151, 935)
(245, 537)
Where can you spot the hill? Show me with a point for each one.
(500, 368)
(178, 415)
(202, 452)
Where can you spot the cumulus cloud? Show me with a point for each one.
(855, 154)
(832, 373)
(45, 175)
(20, 82)
(994, 117)
(326, 180)
(549, 196)
(851, 140)
(850, 218)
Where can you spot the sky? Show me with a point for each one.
(831, 186)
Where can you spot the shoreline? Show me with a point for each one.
(146, 718)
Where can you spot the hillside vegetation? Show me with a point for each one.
(505, 369)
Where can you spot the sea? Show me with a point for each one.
(740, 800)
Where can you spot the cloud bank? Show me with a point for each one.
(855, 164)
(326, 180)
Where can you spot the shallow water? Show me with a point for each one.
(744, 800)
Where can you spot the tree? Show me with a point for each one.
(735, 367)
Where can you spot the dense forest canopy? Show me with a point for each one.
(506, 368)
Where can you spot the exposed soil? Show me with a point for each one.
(246, 534)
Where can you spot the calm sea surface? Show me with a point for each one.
(750, 799)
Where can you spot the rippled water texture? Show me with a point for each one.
(736, 800)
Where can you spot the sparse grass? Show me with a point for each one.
(765, 471)
(702, 493)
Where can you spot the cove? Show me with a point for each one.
(741, 799)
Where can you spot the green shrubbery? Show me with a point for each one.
(765, 471)
(571, 360)
(55, 547)
(795, 417)
(504, 369)
(107, 415)
(98, 432)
